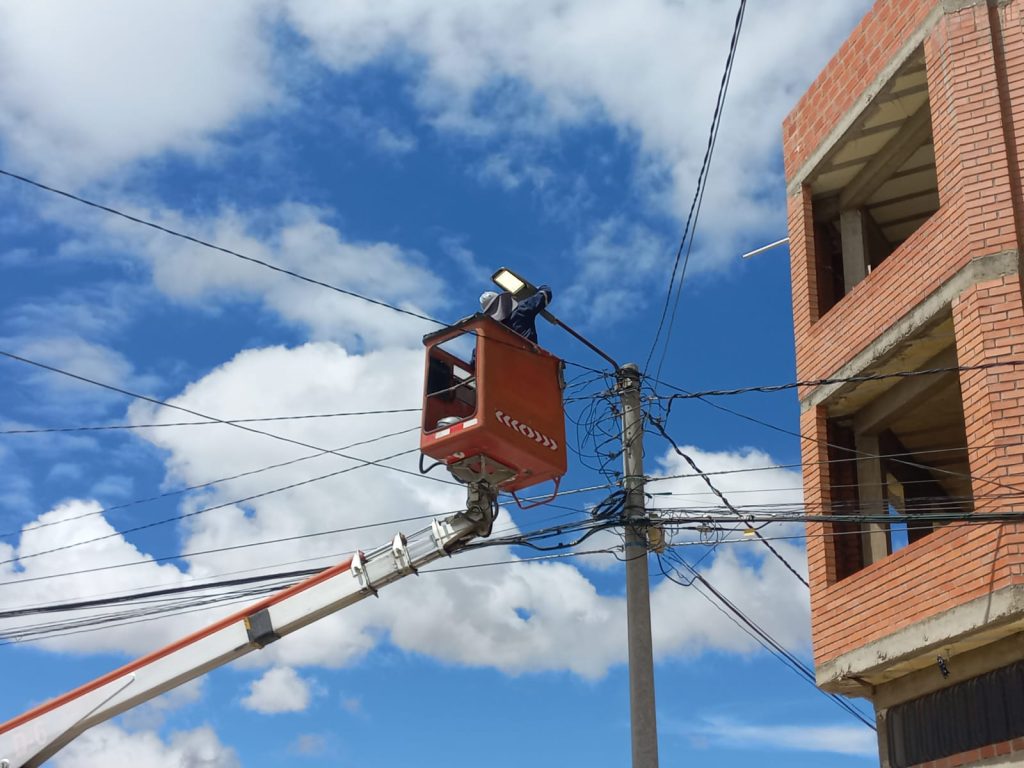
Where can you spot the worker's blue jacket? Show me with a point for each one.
(523, 319)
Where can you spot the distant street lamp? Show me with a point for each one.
(764, 248)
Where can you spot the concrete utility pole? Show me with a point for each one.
(643, 719)
(644, 722)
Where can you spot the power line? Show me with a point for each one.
(725, 501)
(78, 605)
(259, 262)
(846, 449)
(809, 383)
(185, 515)
(80, 627)
(200, 486)
(330, 556)
(1010, 516)
(215, 247)
(104, 427)
(203, 552)
(824, 462)
(163, 607)
(217, 550)
(191, 412)
(762, 636)
(698, 196)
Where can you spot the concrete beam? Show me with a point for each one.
(962, 667)
(858, 113)
(927, 311)
(956, 630)
(872, 419)
(914, 134)
(854, 240)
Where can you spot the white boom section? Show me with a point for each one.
(35, 736)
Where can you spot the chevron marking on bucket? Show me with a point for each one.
(526, 430)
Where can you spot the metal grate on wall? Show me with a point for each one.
(975, 713)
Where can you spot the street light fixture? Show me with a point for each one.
(509, 281)
(522, 289)
(764, 248)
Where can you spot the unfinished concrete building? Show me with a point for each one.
(903, 163)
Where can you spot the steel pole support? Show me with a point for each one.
(643, 718)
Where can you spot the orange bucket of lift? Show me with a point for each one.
(505, 409)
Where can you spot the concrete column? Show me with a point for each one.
(855, 257)
(870, 481)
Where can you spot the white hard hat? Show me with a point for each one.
(486, 298)
(497, 305)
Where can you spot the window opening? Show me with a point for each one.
(877, 186)
(899, 535)
(451, 383)
(899, 452)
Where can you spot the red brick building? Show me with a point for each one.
(904, 163)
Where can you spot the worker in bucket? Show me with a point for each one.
(520, 317)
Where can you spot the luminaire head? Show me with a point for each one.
(508, 280)
(521, 289)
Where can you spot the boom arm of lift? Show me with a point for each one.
(35, 736)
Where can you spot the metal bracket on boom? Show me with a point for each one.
(400, 551)
(482, 477)
(358, 569)
(482, 506)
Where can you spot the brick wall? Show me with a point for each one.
(965, 759)
(976, 217)
(874, 43)
(1009, 20)
(956, 563)
(952, 566)
(975, 64)
(989, 323)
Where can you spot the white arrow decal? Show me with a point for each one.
(526, 430)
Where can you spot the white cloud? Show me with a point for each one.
(853, 740)
(145, 749)
(88, 89)
(113, 487)
(92, 311)
(291, 236)
(519, 618)
(86, 98)
(54, 529)
(280, 689)
(648, 68)
(465, 260)
(748, 477)
(745, 572)
(64, 470)
(83, 357)
(510, 173)
(616, 264)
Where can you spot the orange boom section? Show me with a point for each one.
(505, 409)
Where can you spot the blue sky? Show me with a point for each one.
(403, 150)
